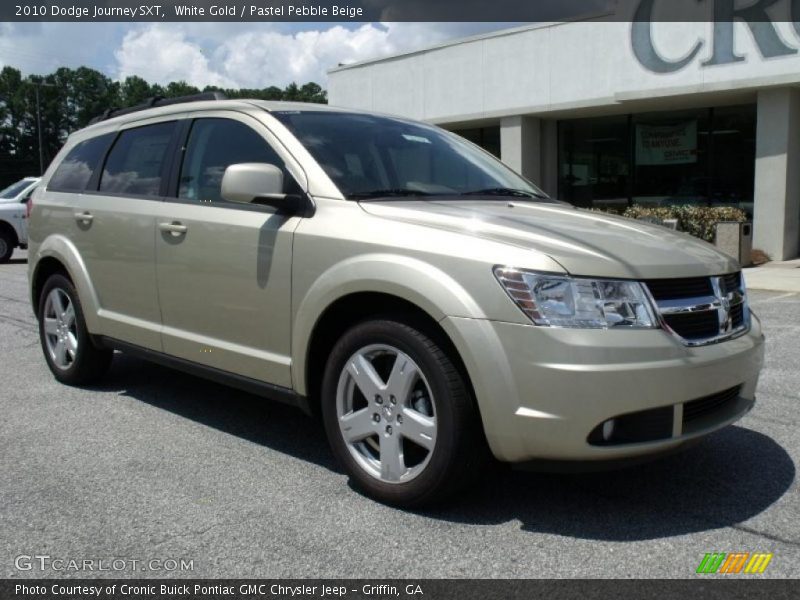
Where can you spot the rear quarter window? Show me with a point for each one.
(75, 171)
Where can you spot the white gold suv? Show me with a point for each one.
(430, 303)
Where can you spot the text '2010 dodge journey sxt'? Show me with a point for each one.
(432, 305)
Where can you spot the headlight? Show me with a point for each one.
(561, 301)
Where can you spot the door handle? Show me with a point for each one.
(84, 217)
(175, 228)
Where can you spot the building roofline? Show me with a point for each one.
(469, 39)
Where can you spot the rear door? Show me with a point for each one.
(115, 230)
(223, 268)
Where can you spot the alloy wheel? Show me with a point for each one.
(386, 413)
(60, 329)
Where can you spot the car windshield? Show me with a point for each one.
(14, 189)
(368, 156)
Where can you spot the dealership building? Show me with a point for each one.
(605, 113)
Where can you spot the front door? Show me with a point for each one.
(223, 268)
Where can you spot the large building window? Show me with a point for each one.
(734, 149)
(594, 162)
(702, 156)
(487, 138)
(671, 158)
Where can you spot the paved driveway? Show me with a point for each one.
(159, 465)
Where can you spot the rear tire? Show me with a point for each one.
(67, 345)
(399, 415)
(7, 243)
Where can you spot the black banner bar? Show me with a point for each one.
(398, 10)
(706, 587)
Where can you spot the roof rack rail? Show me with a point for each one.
(156, 101)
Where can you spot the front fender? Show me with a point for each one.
(420, 283)
(64, 251)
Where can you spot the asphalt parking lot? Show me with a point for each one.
(155, 464)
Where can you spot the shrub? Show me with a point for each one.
(699, 221)
(759, 257)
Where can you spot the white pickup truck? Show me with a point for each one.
(13, 216)
(13, 229)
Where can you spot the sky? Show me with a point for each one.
(233, 55)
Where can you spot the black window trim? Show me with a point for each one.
(178, 153)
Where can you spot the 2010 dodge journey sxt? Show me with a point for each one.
(429, 302)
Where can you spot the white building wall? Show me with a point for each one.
(776, 223)
(521, 145)
(557, 67)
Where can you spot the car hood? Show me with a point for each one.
(583, 242)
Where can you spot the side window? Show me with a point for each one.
(76, 169)
(214, 145)
(136, 161)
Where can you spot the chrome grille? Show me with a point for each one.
(702, 310)
(732, 282)
(737, 315)
(673, 289)
(694, 325)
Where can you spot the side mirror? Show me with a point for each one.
(258, 183)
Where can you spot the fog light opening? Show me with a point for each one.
(608, 429)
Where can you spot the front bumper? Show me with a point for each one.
(542, 392)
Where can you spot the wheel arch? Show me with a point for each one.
(385, 281)
(57, 254)
(44, 269)
(351, 309)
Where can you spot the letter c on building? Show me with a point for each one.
(642, 43)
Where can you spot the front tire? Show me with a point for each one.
(67, 345)
(399, 415)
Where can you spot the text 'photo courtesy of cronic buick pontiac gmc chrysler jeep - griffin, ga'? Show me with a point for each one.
(434, 307)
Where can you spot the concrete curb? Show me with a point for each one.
(773, 279)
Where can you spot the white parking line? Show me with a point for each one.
(768, 300)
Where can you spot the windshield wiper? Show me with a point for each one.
(393, 192)
(501, 191)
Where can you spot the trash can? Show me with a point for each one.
(735, 239)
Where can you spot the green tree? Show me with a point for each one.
(18, 149)
(179, 88)
(134, 90)
(312, 92)
(85, 93)
(292, 92)
(70, 98)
